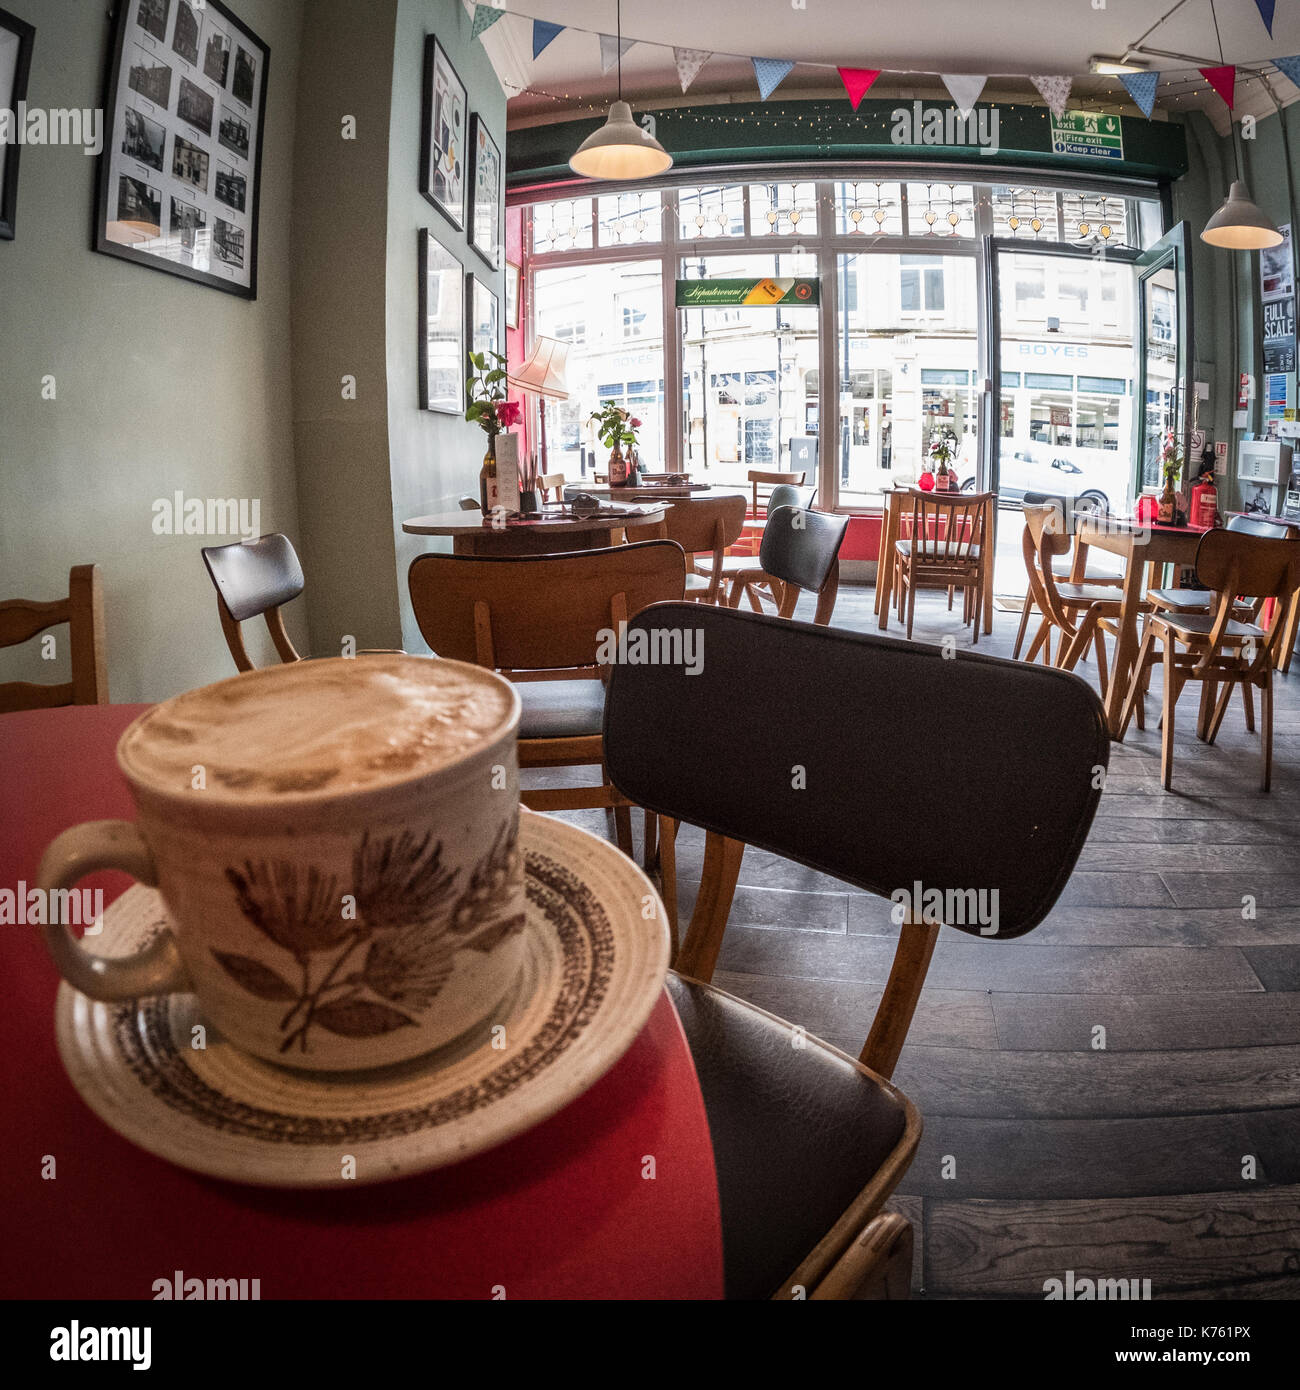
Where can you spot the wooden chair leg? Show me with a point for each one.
(650, 852)
(1023, 628)
(911, 605)
(699, 953)
(1205, 710)
(1220, 709)
(1248, 702)
(1266, 727)
(668, 878)
(1167, 716)
(1068, 657)
(878, 1265)
(1042, 642)
(1134, 701)
(623, 828)
(898, 1003)
(1103, 674)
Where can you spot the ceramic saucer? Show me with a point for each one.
(592, 972)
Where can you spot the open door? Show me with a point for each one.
(1164, 351)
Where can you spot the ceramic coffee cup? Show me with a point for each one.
(336, 845)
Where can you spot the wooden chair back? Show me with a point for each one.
(1045, 538)
(549, 483)
(947, 528)
(1231, 563)
(538, 612)
(83, 610)
(1025, 804)
(255, 578)
(699, 524)
(758, 478)
(802, 549)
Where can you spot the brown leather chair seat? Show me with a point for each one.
(797, 1132)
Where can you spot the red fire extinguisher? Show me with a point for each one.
(1205, 503)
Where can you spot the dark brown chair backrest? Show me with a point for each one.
(802, 549)
(698, 523)
(252, 578)
(538, 612)
(759, 479)
(83, 611)
(947, 527)
(825, 790)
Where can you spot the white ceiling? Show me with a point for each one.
(911, 42)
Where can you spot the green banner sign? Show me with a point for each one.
(765, 293)
(1088, 134)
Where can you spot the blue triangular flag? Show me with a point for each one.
(771, 72)
(543, 33)
(1265, 8)
(1142, 88)
(1288, 67)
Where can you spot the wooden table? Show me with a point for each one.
(561, 1211)
(472, 534)
(1145, 550)
(891, 525)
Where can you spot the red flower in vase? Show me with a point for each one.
(635, 423)
(508, 413)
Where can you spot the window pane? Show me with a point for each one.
(710, 212)
(783, 209)
(629, 218)
(618, 355)
(750, 373)
(941, 209)
(1026, 214)
(562, 226)
(1094, 219)
(902, 381)
(869, 209)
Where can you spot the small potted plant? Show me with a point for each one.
(941, 455)
(490, 410)
(616, 428)
(1171, 469)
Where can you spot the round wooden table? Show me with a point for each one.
(473, 534)
(565, 1210)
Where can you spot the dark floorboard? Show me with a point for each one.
(1171, 1151)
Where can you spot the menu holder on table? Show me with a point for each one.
(508, 471)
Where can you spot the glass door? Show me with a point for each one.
(1164, 356)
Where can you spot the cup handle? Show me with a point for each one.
(107, 844)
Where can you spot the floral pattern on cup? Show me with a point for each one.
(365, 973)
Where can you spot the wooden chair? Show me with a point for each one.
(538, 619)
(1218, 648)
(550, 483)
(255, 578)
(699, 524)
(757, 585)
(833, 1136)
(83, 611)
(945, 550)
(800, 552)
(1080, 613)
(760, 479)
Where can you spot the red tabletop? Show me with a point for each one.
(563, 1211)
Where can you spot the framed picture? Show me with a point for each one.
(16, 37)
(514, 283)
(485, 194)
(181, 171)
(442, 328)
(442, 135)
(484, 316)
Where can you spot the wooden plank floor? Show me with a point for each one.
(1173, 1154)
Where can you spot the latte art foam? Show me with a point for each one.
(332, 726)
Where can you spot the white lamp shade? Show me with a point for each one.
(1239, 225)
(542, 371)
(620, 149)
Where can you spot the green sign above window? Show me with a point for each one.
(1090, 134)
(764, 293)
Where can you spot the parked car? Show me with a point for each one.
(1093, 478)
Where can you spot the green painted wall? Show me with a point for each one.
(162, 385)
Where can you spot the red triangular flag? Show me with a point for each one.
(1223, 80)
(857, 82)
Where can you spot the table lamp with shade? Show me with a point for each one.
(541, 374)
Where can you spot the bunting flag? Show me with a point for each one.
(485, 16)
(1223, 80)
(770, 72)
(1055, 91)
(543, 33)
(1289, 68)
(1265, 8)
(1141, 87)
(964, 88)
(857, 82)
(612, 49)
(689, 62)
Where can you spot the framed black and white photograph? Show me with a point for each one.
(16, 37)
(442, 135)
(485, 194)
(514, 284)
(442, 328)
(180, 175)
(484, 316)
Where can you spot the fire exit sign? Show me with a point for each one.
(1088, 135)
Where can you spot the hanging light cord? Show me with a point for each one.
(618, 23)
